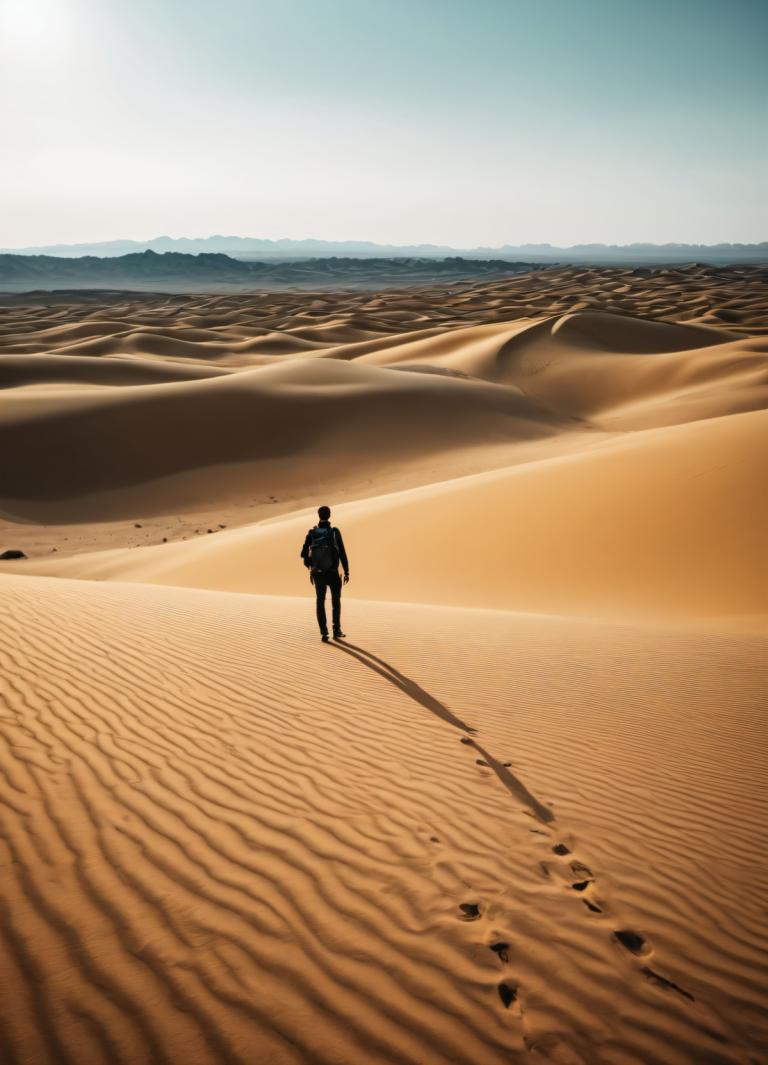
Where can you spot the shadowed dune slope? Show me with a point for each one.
(665, 523)
(23, 371)
(327, 415)
(211, 855)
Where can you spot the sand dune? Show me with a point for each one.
(294, 423)
(519, 815)
(734, 298)
(316, 411)
(20, 371)
(586, 365)
(626, 528)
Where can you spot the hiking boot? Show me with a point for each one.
(339, 635)
(325, 637)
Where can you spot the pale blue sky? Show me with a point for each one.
(462, 122)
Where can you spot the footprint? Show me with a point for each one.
(632, 941)
(578, 869)
(561, 849)
(591, 906)
(479, 761)
(668, 984)
(507, 993)
(553, 1048)
(502, 949)
(582, 885)
(470, 911)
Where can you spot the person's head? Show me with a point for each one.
(324, 513)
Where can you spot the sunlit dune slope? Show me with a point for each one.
(665, 523)
(467, 838)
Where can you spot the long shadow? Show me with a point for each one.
(423, 698)
(404, 684)
(516, 787)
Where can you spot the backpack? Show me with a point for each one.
(323, 552)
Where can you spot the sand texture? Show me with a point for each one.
(520, 814)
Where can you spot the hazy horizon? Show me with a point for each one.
(439, 123)
(346, 242)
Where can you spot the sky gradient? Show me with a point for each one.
(460, 122)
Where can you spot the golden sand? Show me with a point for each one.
(520, 814)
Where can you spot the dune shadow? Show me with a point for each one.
(404, 684)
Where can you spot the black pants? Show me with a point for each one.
(323, 581)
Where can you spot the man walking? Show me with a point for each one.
(322, 551)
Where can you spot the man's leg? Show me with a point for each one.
(335, 586)
(320, 587)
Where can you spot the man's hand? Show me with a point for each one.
(346, 578)
(311, 577)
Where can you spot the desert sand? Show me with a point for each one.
(520, 813)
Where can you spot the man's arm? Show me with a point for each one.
(342, 553)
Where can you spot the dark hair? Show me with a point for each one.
(324, 513)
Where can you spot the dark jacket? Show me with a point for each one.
(339, 546)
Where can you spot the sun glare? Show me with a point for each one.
(33, 24)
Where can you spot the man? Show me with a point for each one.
(322, 551)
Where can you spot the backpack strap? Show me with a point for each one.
(335, 544)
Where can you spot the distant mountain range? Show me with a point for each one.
(254, 247)
(213, 271)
